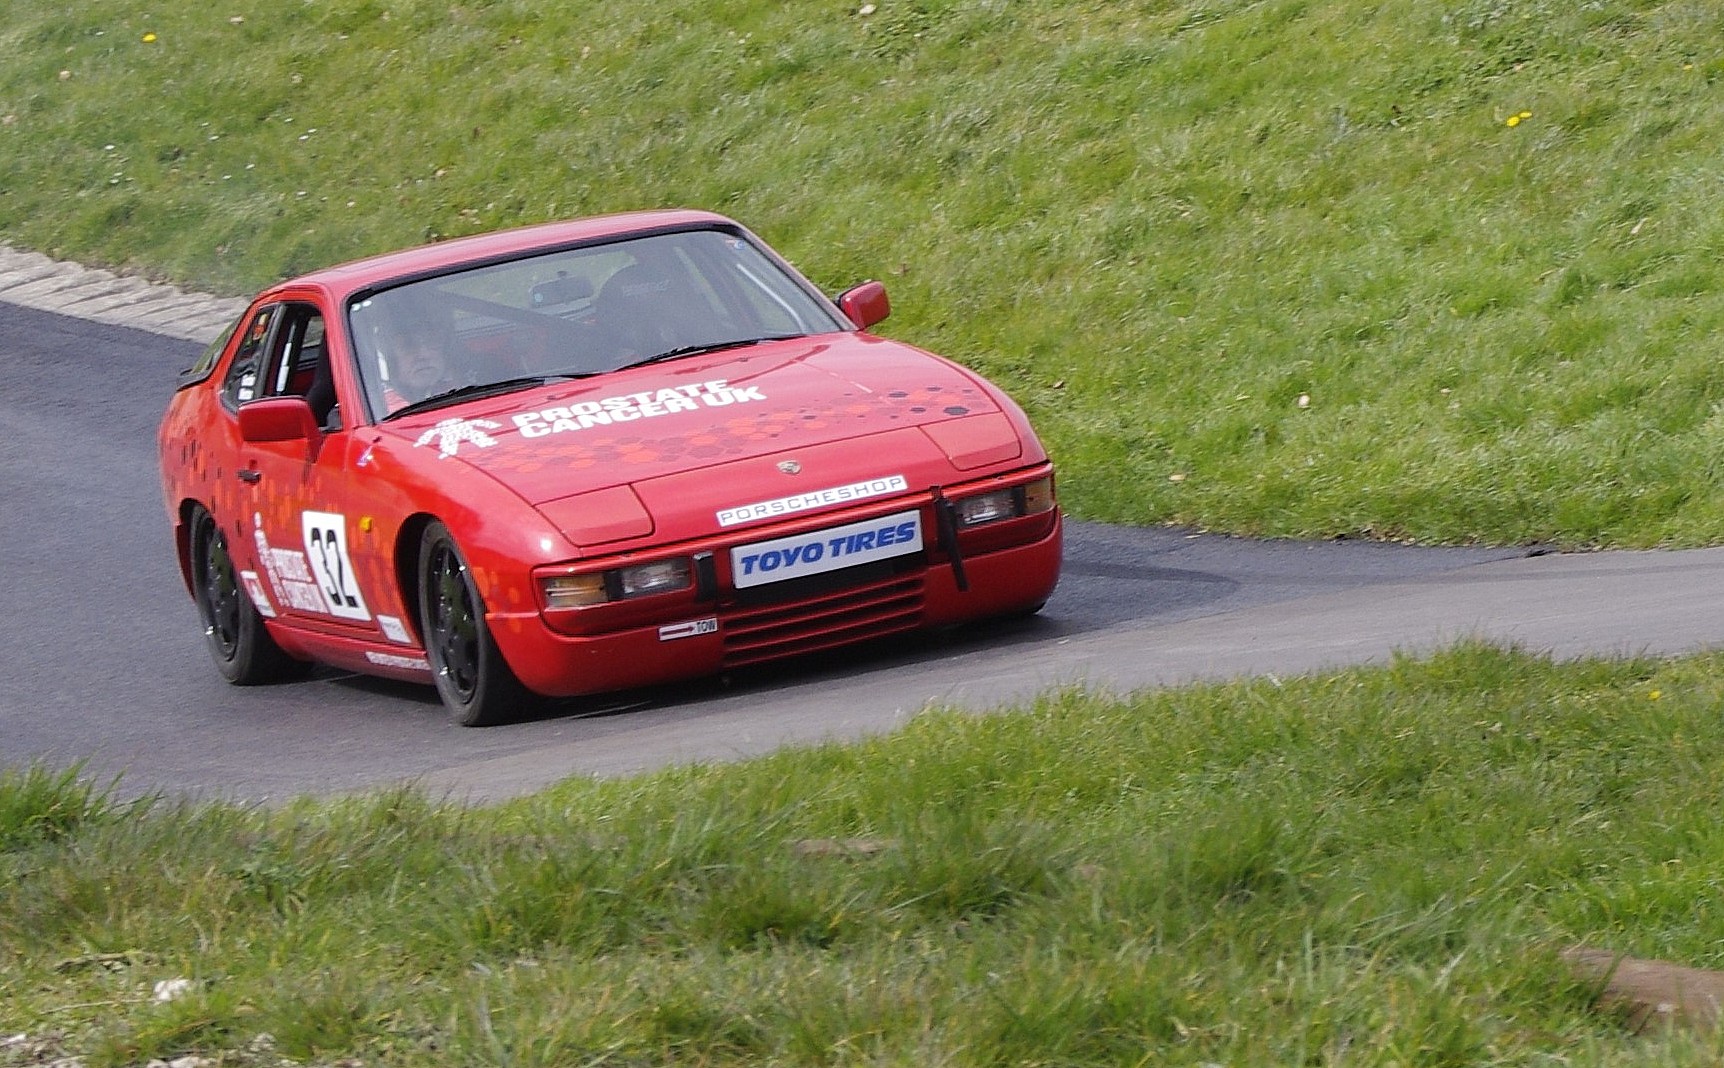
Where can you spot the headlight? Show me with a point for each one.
(1032, 498)
(662, 577)
(986, 508)
(618, 584)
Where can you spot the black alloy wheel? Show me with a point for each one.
(240, 645)
(472, 678)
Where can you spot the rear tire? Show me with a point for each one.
(474, 681)
(238, 642)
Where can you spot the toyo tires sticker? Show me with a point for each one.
(820, 551)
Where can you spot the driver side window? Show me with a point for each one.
(283, 355)
(241, 383)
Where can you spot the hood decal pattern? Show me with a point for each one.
(693, 441)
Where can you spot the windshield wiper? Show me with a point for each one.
(712, 346)
(475, 390)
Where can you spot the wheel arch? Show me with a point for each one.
(183, 538)
(406, 562)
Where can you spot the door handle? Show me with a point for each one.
(251, 476)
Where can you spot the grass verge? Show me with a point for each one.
(1444, 273)
(1370, 867)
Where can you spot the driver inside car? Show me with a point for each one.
(419, 364)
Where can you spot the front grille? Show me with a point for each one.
(890, 604)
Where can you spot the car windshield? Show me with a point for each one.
(572, 313)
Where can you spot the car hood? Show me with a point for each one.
(664, 449)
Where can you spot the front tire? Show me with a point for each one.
(238, 642)
(474, 681)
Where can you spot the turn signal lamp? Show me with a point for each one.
(575, 591)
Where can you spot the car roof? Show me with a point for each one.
(391, 267)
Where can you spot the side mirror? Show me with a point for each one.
(277, 419)
(865, 304)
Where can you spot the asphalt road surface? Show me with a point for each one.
(102, 663)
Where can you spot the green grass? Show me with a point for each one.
(1158, 224)
(1373, 867)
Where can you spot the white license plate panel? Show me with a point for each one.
(830, 549)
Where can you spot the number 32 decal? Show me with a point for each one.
(326, 548)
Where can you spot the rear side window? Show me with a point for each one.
(207, 360)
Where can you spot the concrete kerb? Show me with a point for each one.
(32, 280)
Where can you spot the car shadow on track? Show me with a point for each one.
(897, 651)
(1112, 578)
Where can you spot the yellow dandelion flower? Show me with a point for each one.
(149, 38)
(1526, 114)
(1513, 120)
(1655, 695)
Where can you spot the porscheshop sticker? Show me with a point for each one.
(820, 498)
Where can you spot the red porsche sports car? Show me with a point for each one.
(588, 456)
